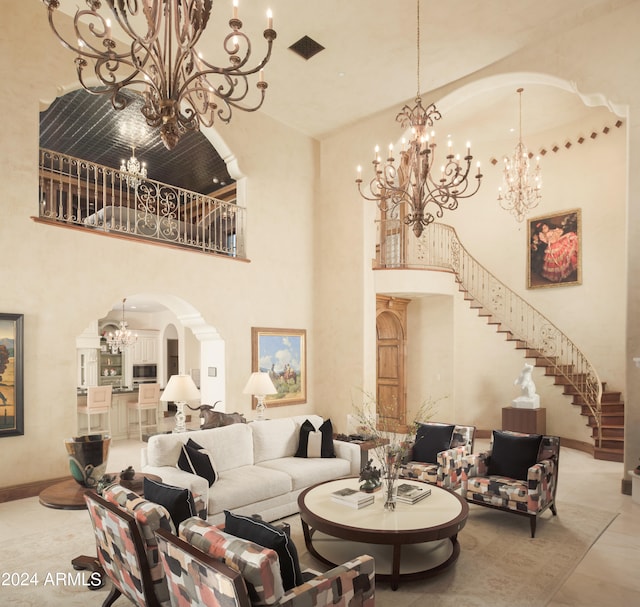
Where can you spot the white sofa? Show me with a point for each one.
(256, 470)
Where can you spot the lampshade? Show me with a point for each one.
(259, 384)
(180, 388)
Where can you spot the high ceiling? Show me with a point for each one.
(368, 65)
(369, 61)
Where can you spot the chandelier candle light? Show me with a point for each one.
(134, 171)
(150, 46)
(521, 184)
(411, 185)
(122, 337)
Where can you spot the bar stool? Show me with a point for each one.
(98, 403)
(148, 400)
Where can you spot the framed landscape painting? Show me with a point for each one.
(11, 375)
(282, 354)
(555, 250)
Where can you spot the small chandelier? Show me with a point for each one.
(134, 171)
(122, 337)
(412, 182)
(521, 184)
(182, 90)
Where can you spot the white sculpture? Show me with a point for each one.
(529, 399)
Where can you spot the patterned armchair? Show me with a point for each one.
(191, 576)
(486, 482)
(127, 547)
(446, 469)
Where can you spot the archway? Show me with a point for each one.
(211, 345)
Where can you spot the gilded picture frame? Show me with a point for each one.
(283, 354)
(555, 250)
(11, 374)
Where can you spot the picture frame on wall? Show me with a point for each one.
(555, 250)
(11, 374)
(282, 353)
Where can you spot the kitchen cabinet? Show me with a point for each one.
(145, 349)
(111, 369)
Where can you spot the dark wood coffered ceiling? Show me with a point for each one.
(86, 126)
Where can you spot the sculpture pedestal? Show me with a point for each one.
(527, 421)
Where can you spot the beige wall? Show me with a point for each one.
(62, 279)
(309, 234)
(602, 179)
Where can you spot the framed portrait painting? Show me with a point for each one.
(11, 375)
(282, 354)
(555, 250)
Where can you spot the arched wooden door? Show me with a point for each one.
(391, 325)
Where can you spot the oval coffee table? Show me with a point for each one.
(414, 541)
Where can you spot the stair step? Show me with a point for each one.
(561, 370)
(609, 420)
(609, 432)
(607, 409)
(610, 455)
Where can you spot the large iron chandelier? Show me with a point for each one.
(150, 45)
(134, 171)
(411, 182)
(521, 183)
(122, 337)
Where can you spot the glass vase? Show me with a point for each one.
(390, 488)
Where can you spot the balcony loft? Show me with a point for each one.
(88, 196)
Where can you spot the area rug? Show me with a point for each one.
(499, 563)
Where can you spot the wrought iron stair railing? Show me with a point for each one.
(440, 248)
(76, 192)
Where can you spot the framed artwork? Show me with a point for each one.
(555, 250)
(282, 353)
(11, 375)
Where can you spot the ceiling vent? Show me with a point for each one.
(306, 47)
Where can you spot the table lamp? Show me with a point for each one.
(260, 385)
(179, 390)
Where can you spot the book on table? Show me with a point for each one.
(352, 497)
(411, 494)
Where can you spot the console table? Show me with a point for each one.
(527, 421)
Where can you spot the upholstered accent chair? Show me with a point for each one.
(517, 474)
(436, 455)
(351, 584)
(195, 578)
(127, 547)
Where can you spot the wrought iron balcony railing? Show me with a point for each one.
(95, 197)
(440, 248)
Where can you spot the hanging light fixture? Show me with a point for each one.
(122, 337)
(412, 183)
(150, 45)
(134, 171)
(521, 183)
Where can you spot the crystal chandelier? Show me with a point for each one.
(410, 186)
(134, 171)
(122, 337)
(521, 184)
(150, 45)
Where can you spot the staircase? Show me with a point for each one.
(530, 331)
(611, 415)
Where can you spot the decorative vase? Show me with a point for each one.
(390, 482)
(88, 458)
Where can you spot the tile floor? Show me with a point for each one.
(608, 574)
